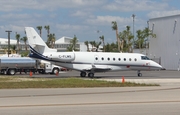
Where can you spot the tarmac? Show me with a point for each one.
(154, 100)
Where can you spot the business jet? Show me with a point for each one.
(88, 62)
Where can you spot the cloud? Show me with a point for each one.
(80, 17)
(155, 14)
(69, 29)
(135, 5)
(15, 16)
(18, 5)
(107, 20)
(22, 19)
(80, 14)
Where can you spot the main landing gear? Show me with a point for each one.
(91, 75)
(83, 74)
(139, 73)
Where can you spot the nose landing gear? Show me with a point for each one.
(139, 73)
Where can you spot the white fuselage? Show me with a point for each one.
(82, 61)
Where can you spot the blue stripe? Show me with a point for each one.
(37, 55)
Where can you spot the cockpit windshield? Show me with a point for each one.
(144, 58)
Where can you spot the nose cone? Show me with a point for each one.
(156, 65)
(159, 66)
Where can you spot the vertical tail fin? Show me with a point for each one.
(35, 41)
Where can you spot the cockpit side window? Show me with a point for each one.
(144, 58)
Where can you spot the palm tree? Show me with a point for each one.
(139, 42)
(13, 49)
(142, 35)
(93, 44)
(130, 37)
(18, 39)
(97, 44)
(126, 40)
(102, 39)
(73, 43)
(51, 40)
(47, 27)
(108, 47)
(70, 47)
(115, 27)
(87, 45)
(123, 41)
(147, 32)
(40, 30)
(24, 39)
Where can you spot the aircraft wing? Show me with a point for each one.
(97, 68)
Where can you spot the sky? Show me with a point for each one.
(87, 19)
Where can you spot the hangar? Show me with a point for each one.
(166, 45)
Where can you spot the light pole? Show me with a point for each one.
(147, 41)
(133, 15)
(8, 31)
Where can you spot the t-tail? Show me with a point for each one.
(36, 44)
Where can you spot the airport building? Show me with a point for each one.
(166, 45)
(60, 44)
(4, 45)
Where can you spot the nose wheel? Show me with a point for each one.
(139, 73)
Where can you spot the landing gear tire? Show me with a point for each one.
(91, 75)
(139, 74)
(83, 74)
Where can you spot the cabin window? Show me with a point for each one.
(102, 58)
(135, 59)
(119, 59)
(96, 58)
(129, 59)
(124, 59)
(114, 59)
(108, 58)
(144, 58)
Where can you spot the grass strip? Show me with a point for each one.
(14, 83)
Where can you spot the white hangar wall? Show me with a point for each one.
(166, 45)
